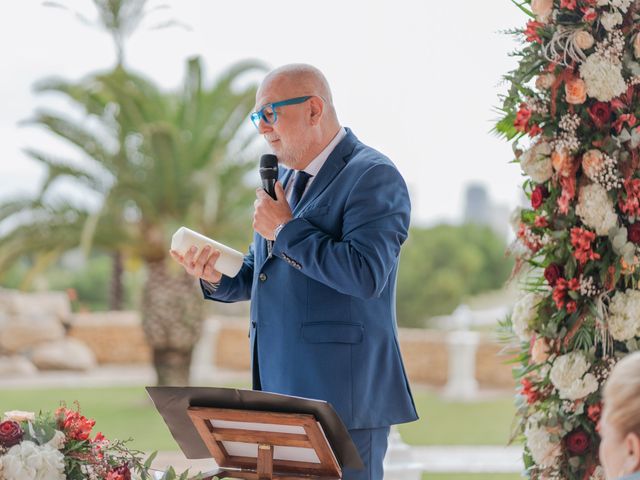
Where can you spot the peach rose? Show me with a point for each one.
(542, 9)
(584, 40)
(562, 162)
(636, 45)
(575, 91)
(545, 81)
(592, 162)
(540, 350)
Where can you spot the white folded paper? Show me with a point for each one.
(230, 260)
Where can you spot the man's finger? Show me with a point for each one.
(188, 257)
(279, 191)
(176, 256)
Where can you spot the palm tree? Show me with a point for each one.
(157, 160)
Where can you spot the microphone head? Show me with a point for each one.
(268, 167)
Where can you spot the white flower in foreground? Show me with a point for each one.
(569, 375)
(28, 461)
(595, 208)
(622, 5)
(543, 451)
(624, 315)
(19, 416)
(536, 162)
(524, 312)
(602, 77)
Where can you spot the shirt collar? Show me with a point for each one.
(316, 164)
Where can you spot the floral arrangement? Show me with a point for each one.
(572, 112)
(59, 447)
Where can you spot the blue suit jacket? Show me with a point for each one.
(323, 305)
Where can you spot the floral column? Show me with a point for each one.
(571, 113)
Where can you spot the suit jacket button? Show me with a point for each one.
(262, 277)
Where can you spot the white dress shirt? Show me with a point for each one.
(316, 164)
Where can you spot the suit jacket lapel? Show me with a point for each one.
(336, 162)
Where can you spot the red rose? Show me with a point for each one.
(600, 113)
(119, 473)
(537, 196)
(552, 273)
(10, 433)
(633, 233)
(577, 441)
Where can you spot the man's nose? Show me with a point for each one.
(264, 127)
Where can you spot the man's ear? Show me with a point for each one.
(316, 109)
(632, 445)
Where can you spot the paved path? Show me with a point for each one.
(433, 459)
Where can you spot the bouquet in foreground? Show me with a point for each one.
(61, 446)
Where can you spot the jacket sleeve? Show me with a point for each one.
(375, 224)
(234, 289)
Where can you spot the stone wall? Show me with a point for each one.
(114, 337)
(425, 355)
(33, 334)
(117, 338)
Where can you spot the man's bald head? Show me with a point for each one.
(300, 130)
(297, 80)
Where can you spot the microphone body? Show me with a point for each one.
(269, 173)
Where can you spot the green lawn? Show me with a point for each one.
(123, 412)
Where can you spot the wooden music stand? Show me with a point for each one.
(256, 445)
(255, 435)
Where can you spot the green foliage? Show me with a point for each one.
(441, 266)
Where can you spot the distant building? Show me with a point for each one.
(480, 210)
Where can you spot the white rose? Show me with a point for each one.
(569, 376)
(624, 322)
(524, 313)
(595, 208)
(603, 78)
(19, 416)
(610, 19)
(28, 461)
(543, 451)
(536, 162)
(584, 40)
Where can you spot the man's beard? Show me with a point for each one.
(293, 155)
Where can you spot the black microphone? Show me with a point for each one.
(269, 173)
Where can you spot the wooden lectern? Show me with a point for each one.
(265, 445)
(256, 435)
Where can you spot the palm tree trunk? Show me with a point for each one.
(116, 293)
(172, 321)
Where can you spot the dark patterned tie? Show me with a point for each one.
(299, 184)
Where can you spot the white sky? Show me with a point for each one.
(415, 79)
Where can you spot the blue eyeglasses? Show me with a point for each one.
(268, 112)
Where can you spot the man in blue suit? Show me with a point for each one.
(323, 322)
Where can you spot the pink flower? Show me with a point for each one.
(581, 242)
(531, 32)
